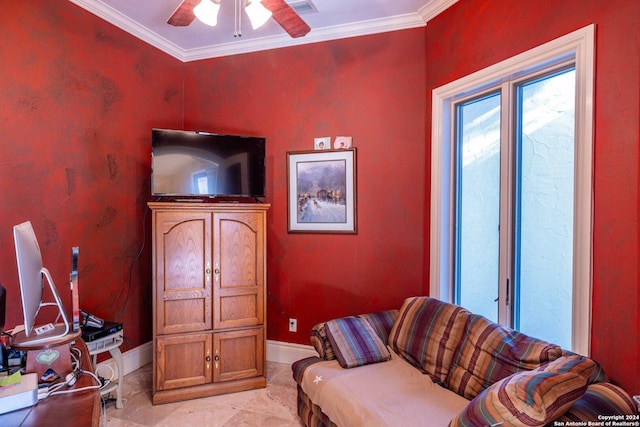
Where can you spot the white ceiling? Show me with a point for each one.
(333, 19)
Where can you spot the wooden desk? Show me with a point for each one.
(71, 409)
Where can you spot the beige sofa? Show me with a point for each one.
(436, 364)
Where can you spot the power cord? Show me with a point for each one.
(71, 378)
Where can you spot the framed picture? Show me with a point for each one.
(323, 143)
(342, 142)
(322, 191)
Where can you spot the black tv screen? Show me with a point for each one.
(189, 163)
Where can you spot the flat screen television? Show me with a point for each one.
(190, 163)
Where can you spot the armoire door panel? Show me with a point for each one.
(239, 254)
(241, 354)
(183, 271)
(183, 360)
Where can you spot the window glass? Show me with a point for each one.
(544, 207)
(478, 205)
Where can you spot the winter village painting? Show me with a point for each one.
(322, 191)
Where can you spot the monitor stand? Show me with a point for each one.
(47, 351)
(59, 335)
(51, 335)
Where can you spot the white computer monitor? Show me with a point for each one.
(32, 275)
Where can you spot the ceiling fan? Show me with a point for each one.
(281, 12)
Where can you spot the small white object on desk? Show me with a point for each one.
(21, 395)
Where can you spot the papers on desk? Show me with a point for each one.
(9, 380)
(20, 394)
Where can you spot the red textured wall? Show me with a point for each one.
(371, 88)
(474, 34)
(78, 98)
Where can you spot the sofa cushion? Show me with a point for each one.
(426, 334)
(530, 398)
(490, 352)
(388, 394)
(600, 399)
(355, 342)
(382, 321)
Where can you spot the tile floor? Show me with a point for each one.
(271, 406)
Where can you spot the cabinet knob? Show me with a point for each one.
(208, 359)
(208, 272)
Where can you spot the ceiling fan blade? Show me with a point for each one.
(183, 15)
(288, 18)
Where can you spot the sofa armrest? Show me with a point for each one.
(301, 365)
(600, 399)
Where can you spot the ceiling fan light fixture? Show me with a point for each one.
(258, 14)
(207, 12)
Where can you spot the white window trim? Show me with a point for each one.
(580, 46)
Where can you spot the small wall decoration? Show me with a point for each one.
(323, 143)
(322, 191)
(342, 142)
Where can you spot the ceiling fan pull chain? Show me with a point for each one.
(238, 20)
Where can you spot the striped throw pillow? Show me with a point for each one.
(529, 398)
(355, 342)
(382, 322)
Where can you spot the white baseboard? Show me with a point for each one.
(286, 352)
(277, 351)
(133, 359)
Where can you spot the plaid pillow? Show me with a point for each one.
(530, 398)
(355, 342)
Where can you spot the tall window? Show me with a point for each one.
(511, 191)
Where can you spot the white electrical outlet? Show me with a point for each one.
(293, 325)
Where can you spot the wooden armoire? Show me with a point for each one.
(209, 285)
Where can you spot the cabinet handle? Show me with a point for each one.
(208, 272)
(208, 360)
(217, 273)
(217, 359)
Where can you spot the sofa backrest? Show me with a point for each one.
(427, 333)
(490, 352)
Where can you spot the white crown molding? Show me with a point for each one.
(434, 8)
(376, 26)
(132, 27)
(401, 22)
